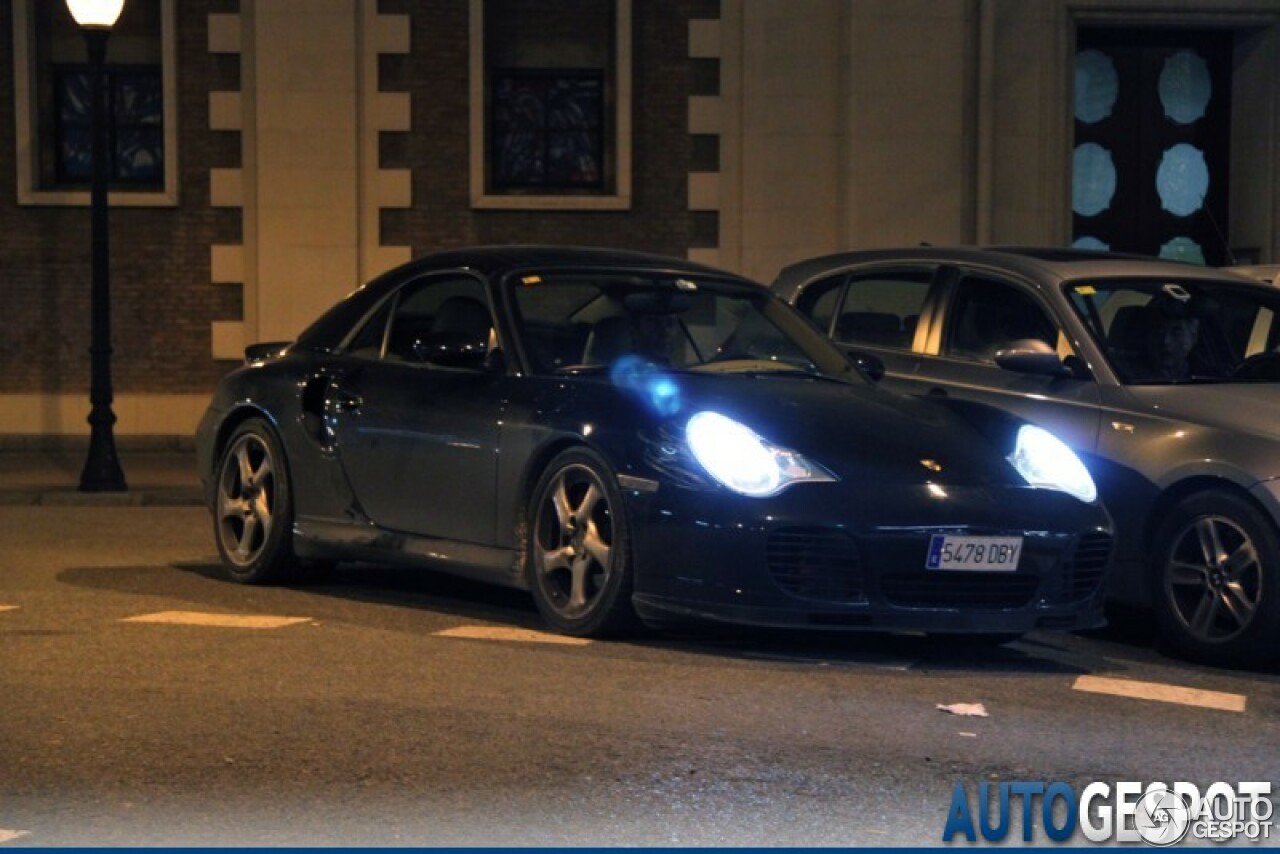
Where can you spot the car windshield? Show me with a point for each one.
(582, 322)
(1157, 331)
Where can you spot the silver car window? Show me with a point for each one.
(883, 309)
(1156, 331)
(988, 315)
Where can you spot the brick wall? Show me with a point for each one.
(162, 298)
(162, 301)
(437, 149)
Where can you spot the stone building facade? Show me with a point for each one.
(310, 144)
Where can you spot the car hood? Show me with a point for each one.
(1250, 408)
(855, 429)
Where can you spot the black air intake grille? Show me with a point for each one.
(1088, 565)
(958, 589)
(816, 563)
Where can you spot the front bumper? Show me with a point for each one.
(819, 557)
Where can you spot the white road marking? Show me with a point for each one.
(1162, 693)
(505, 634)
(10, 835)
(8, 607)
(225, 621)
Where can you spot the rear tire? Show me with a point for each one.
(1216, 581)
(578, 548)
(253, 508)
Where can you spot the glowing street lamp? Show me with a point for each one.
(96, 14)
(102, 472)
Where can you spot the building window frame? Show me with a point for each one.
(26, 106)
(617, 124)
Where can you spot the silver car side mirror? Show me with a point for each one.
(1031, 356)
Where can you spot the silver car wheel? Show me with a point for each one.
(1213, 578)
(246, 499)
(573, 542)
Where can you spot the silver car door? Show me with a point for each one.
(985, 314)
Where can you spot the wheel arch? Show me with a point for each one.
(232, 422)
(1178, 492)
(534, 468)
(1255, 642)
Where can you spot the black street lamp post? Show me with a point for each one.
(102, 471)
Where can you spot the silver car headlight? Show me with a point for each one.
(1044, 460)
(734, 455)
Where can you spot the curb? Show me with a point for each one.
(79, 444)
(133, 498)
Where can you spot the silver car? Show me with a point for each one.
(1269, 273)
(1165, 377)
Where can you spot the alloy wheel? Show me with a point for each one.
(1213, 579)
(246, 499)
(573, 542)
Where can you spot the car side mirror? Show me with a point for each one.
(264, 351)
(870, 365)
(1031, 356)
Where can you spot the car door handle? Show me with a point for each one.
(937, 392)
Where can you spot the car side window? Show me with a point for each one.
(443, 321)
(988, 315)
(883, 309)
(819, 300)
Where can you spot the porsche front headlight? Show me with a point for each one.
(1045, 460)
(734, 455)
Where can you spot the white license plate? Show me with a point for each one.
(977, 553)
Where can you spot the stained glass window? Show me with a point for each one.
(56, 108)
(135, 129)
(548, 129)
(1152, 140)
(1091, 243)
(1097, 86)
(1185, 87)
(550, 90)
(1183, 249)
(1182, 179)
(1093, 179)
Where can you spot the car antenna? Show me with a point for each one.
(1226, 246)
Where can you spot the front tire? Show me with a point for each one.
(1216, 566)
(253, 510)
(579, 548)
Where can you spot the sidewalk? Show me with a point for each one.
(52, 476)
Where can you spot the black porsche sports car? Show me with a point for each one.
(637, 438)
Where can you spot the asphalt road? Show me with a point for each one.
(404, 708)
